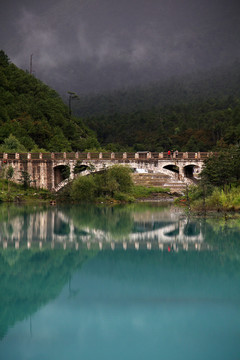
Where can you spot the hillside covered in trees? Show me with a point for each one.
(34, 115)
(194, 113)
(189, 114)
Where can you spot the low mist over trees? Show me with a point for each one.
(189, 114)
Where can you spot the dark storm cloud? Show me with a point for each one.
(84, 45)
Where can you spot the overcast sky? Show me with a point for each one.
(87, 45)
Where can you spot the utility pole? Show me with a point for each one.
(31, 57)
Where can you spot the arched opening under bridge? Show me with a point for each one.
(173, 168)
(191, 170)
(61, 172)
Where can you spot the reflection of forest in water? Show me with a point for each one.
(93, 223)
(31, 277)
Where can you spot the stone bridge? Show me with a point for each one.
(48, 170)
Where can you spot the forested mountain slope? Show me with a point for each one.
(188, 114)
(36, 115)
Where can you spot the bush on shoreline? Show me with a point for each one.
(219, 187)
(114, 183)
(203, 198)
(12, 192)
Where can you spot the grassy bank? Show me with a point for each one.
(200, 198)
(11, 192)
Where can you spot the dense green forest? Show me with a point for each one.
(36, 116)
(193, 113)
(189, 114)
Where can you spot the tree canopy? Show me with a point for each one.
(35, 114)
(188, 114)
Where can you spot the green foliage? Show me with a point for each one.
(188, 114)
(145, 192)
(83, 189)
(123, 197)
(12, 145)
(4, 60)
(112, 183)
(21, 194)
(36, 115)
(25, 179)
(9, 172)
(115, 183)
(120, 175)
(224, 201)
(79, 167)
(223, 168)
(59, 143)
(65, 172)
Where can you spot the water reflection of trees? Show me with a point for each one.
(30, 279)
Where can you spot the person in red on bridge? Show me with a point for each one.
(169, 153)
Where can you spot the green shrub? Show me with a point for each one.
(123, 197)
(122, 176)
(113, 183)
(83, 189)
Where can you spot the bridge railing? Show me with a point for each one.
(118, 155)
(71, 156)
(58, 156)
(106, 156)
(82, 155)
(191, 155)
(130, 156)
(10, 156)
(121, 156)
(46, 156)
(35, 156)
(93, 155)
(23, 156)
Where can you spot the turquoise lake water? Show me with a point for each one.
(128, 282)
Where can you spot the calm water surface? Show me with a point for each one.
(130, 282)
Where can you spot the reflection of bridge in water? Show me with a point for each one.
(55, 229)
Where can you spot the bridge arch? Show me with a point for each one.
(61, 172)
(172, 167)
(191, 170)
